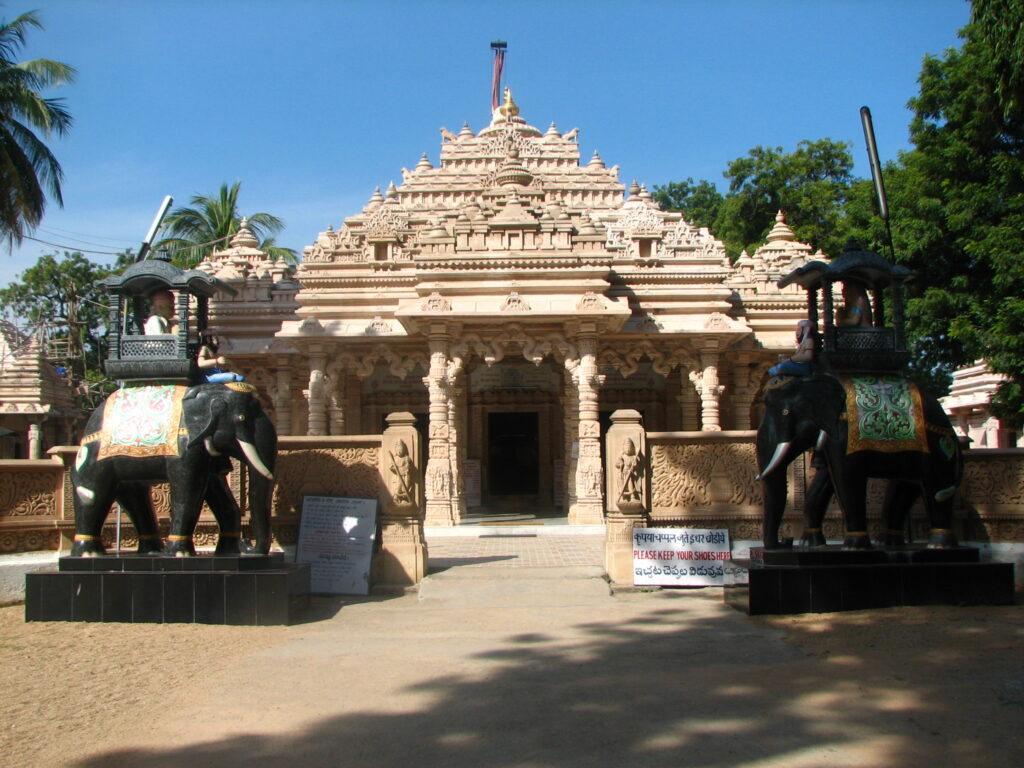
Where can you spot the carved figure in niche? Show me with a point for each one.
(857, 309)
(161, 319)
(401, 469)
(799, 363)
(210, 363)
(630, 467)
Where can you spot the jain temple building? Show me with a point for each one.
(511, 298)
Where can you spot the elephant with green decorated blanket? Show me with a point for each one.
(862, 426)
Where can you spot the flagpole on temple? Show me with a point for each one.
(498, 46)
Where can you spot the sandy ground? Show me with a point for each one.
(583, 679)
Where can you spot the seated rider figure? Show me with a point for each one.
(210, 362)
(857, 309)
(162, 319)
(799, 363)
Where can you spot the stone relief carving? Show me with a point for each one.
(26, 494)
(387, 221)
(590, 300)
(400, 475)
(324, 472)
(515, 303)
(378, 327)
(699, 475)
(439, 480)
(435, 302)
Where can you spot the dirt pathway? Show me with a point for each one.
(648, 679)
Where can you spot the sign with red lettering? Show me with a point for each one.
(680, 557)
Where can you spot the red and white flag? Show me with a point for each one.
(499, 64)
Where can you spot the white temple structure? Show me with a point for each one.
(512, 298)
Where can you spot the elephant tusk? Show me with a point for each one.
(822, 436)
(253, 457)
(780, 453)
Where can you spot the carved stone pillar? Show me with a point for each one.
(707, 386)
(316, 395)
(745, 380)
(689, 402)
(282, 396)
(457, 436)
(627, 467)
(35, 441)
(439, 463)
(589, 506)
(570, 419)
(402, 560)
(336, 401)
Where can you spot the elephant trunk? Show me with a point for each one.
(261, 479)
(777, 458)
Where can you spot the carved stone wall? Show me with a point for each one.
(30, 505)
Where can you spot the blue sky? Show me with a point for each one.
(311, 104)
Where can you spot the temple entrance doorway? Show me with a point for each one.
(515, 438)
(513, 454)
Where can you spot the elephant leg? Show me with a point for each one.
(939, 506)
(135, 499)
(186, 504)
(852, 496)
(900, 496)
(819, 494)
(92, 503)
(229, 516)
(774, 490)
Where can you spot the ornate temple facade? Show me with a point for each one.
(38, 407)
(512, 298)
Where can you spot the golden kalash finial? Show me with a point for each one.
(509, 108)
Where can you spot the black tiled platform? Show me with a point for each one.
(206, 589)
(830, 579)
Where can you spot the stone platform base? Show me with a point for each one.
(827, 579)
(206, 589)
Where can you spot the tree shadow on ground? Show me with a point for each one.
(680, 682)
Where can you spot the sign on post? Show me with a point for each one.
(680, 557)
(336, 536)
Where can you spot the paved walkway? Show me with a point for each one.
(515, 545)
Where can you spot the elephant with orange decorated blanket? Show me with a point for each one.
(184, 436)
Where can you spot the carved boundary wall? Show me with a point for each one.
(696, 478)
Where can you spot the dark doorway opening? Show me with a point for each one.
(513, 457)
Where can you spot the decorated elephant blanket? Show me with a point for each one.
(140, 422)
(884, 413)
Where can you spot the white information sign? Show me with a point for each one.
(682, 557)
(336, 536)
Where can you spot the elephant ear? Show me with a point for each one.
(201, 419)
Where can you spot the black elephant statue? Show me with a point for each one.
(861, 426)
(183, 436)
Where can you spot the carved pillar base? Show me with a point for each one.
(402, 559)
(586, 513)
(618, 544)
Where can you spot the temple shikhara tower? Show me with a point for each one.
(512, 297)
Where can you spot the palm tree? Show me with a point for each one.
(28, 170)
(193, 233)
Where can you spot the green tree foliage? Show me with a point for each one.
(808, 184)
(194, 232)
(699, 203)
(28, 170)
(57, 299)
(966, 220)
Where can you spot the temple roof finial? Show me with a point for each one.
(780, 230)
